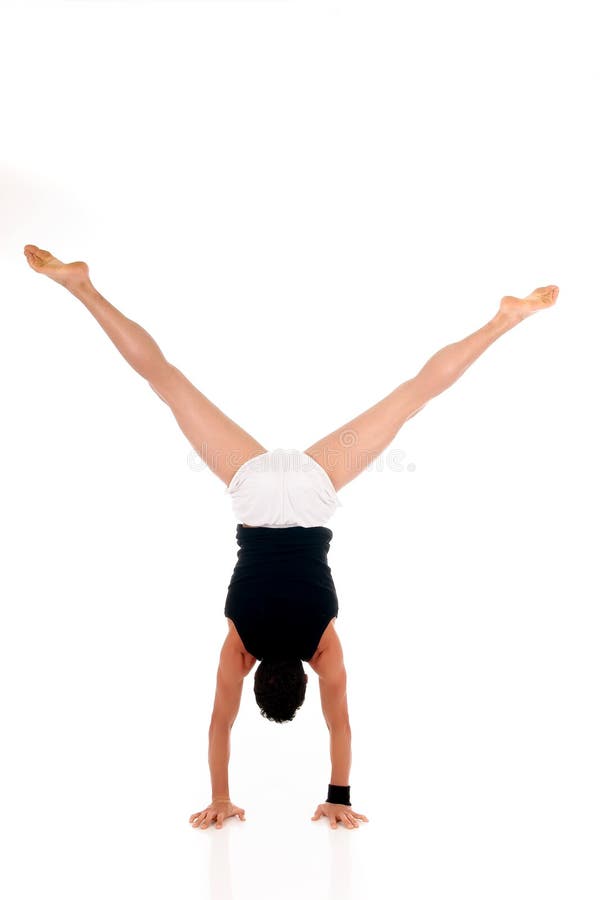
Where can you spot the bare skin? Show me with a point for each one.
(343, 454)
(46, 264)
(217, 811)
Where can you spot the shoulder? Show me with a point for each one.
(234, 661)
(233, 646)
(328, 660)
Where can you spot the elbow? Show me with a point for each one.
(339, 726)
(219, 725)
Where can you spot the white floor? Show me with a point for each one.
(475, 735)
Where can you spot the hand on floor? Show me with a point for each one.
(218, 810)
(338, 812)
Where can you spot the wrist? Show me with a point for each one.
(339, 794)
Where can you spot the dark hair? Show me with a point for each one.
(280, 686)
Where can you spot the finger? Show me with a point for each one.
(352, 822)
(359, 816)
(241, 814)
(207, 821)
(220, 820)
(333, 823)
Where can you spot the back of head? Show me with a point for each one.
(280, 687)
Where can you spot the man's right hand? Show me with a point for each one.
(218, 810)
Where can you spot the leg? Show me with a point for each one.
(347, 451)
(220, 442)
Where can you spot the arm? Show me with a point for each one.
(333, 691)
(333, 694)
(228, 691)
(230, 675)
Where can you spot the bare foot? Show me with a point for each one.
(67, 274)
(540, 298)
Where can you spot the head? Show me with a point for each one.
(280, 688)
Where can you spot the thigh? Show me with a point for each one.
(348, 450)
(222, 444)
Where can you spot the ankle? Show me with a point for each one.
(505, 319)
(78, 286)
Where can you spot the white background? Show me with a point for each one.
(302, 202)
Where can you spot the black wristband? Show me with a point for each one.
(338, 794)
